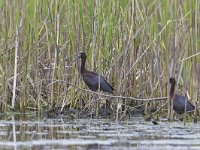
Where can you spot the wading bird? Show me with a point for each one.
(91, 79)
(179, 101)
(94, 81)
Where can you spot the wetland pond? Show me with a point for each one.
(32, 132)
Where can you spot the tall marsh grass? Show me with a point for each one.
(137, 45)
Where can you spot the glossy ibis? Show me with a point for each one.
(179, 101)
(91, 79)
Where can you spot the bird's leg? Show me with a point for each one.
(96, 102)
(90, 102)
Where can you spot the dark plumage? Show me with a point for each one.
(179, 100)
(91, 79)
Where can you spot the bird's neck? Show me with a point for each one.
(171, 93)
(83, 65)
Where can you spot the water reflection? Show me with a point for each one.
(35, 132)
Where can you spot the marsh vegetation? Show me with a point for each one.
(136, 45)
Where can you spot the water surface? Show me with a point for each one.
(32, 132)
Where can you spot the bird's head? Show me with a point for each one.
(82, 55)
(172, 80)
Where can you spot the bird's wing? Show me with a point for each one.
(91, 80)
(105, 86)
(103, 79)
